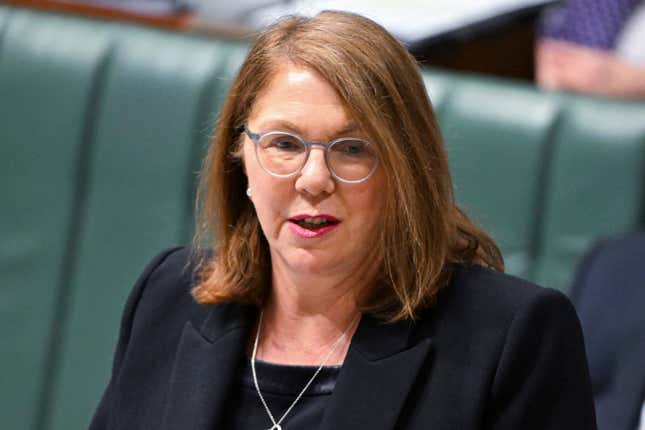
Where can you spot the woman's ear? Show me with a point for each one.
(239, 154)
(242, 158)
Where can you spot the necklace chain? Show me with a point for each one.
(276, 424)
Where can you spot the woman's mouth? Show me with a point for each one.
(313, 223)
(307, 226)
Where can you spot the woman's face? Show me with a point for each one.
(298, 100)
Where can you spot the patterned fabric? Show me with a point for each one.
(594, 23)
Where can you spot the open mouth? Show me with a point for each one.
(314, 223)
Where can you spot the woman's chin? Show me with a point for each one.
(311, 261)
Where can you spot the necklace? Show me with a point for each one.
(276, 424)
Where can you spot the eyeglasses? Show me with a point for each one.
(282, 154)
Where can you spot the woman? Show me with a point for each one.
(347, 291)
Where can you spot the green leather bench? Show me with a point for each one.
(45, 94)
(103, 128)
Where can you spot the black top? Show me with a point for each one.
(280, 385)
(493, 353)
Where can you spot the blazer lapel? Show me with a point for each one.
(378, 373)
(205, 366)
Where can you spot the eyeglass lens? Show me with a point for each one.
(284, 154)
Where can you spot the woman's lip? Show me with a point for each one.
(306, 233)
(326, 217)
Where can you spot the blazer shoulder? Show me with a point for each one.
(173, 268)
(486, 294)
(164, 288)
(159, 306)
(175, 263)
(475, 312)
(518, 346)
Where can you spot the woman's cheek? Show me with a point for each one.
(269, 209)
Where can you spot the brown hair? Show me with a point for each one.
(381, 85)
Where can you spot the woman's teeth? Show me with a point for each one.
(312, 223)
(315, 220)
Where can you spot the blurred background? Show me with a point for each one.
(106, 108)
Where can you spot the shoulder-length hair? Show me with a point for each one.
(381, 86)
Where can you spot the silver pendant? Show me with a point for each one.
(276, 427)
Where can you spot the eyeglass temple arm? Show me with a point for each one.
(253, 136)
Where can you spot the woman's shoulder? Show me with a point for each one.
(172, 270)
(164, 287)
(489, 293)
(173, 262)
(518, 343)
(485, 307)
(168, 272)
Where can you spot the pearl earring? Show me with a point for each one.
(248, 192)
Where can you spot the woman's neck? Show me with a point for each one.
(302, 319)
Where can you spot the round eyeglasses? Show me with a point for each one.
(282, 154)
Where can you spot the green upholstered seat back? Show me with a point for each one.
(4, 18)
(152, 121)
(545, 174)
(595, 184)
(103, 129)
(48, 72)
(497, 139)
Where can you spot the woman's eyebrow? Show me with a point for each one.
(285, 125)
(352, 127)
(279, 125)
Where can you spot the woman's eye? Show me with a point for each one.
(285, 144)
(352, 148)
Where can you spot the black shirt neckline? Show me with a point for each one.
(289, 380)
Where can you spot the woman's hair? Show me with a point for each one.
(380, 83)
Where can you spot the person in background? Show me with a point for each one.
(609, 295)
(593, 47)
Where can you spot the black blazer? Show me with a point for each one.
(609, 294)
(495, 352)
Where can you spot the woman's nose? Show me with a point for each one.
(315, 178)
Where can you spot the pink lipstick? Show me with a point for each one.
(309, 226)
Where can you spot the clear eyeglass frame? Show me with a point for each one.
(256, 137)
